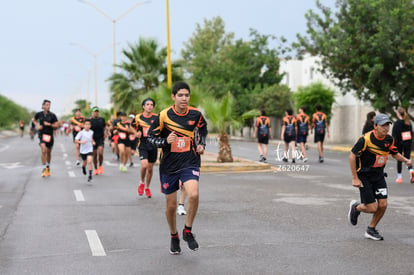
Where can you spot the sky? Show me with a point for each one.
(48, 47)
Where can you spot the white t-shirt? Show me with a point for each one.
(87, 147)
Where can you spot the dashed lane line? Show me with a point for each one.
(95, 243)
(79, 195)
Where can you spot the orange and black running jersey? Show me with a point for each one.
(182, 153)
(303, 124)
(122, 133)
(143, 124)
(372, 152)
(75, 121)
(319, 122)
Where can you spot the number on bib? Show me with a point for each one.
(380, 161)
(406, 135)
(46, 138)
(183, 144)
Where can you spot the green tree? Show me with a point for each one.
(274, 99)
(143, 70)
(314, 94)
(220, 114)
(218, 63)
(366, 47)
(11, 113)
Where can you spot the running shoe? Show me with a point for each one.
(47, 171)
(320, 159)
(77, 162)
(305, 159)
(353, 212)
(373, 234)
(189, 238)
(95, 172)
(89, 178)
(44, 172)
(100, 170)
(181, 210)
(141, 189)
(84, 170)
(148, 193)
(264, 159)
(175, 248)
(285, 160)
(261, 158)
(400, 180)
(412, 176)
(131, 164)
(293, 161)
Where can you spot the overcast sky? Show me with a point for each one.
(40, 59)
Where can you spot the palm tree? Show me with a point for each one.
(142, 71)
(220, 114)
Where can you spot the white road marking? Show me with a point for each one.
(95, 243)
(11, 165)
(79, 195)
(71, 174)
(65, 155)
(68, 163)
(110, 164)
(4, 147)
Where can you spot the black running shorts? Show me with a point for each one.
(374, 187)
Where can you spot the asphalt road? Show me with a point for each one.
(287, 222)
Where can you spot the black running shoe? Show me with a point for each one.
(84, 170)
(175, 245)
(131, 164)
(285, 160)
(353, 212)
(373, 234)
(89, 178)
(189, 238)
(320, 159)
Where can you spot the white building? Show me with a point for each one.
(348, 113)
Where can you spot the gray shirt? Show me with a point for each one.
(87, 136)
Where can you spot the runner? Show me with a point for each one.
(85, 139)
(133, 139)
(98, 128)
(33, 130)
(77, 125)
(147, 151)
(320, 124)
(288, 134)
(263, 132)
(303, 123)
(124, 144)
(46, 121)
(402, 133)
(21, 126)
(367, 161)
(173, 131)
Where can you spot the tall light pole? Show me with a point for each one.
(95, 56)
(169, 74)
(88, 98)
(113, 20)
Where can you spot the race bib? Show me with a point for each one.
(131, 137)
(406, 135)
(46, 138)
(77, 128)
(122, 135)
(183, 144)
(380, 161)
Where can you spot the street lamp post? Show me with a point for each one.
(169, 74)
(95, 56)
(113, 20)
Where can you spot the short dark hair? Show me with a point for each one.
(289, 111)
(180, 85)
(46, 101)
(88, 120)
(148, 99)
(304, 108)
(262, 112)
(318, 107)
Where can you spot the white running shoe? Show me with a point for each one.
(77, 163)
(181, 210)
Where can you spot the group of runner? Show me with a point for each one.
(173, 130)
(295, 130)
